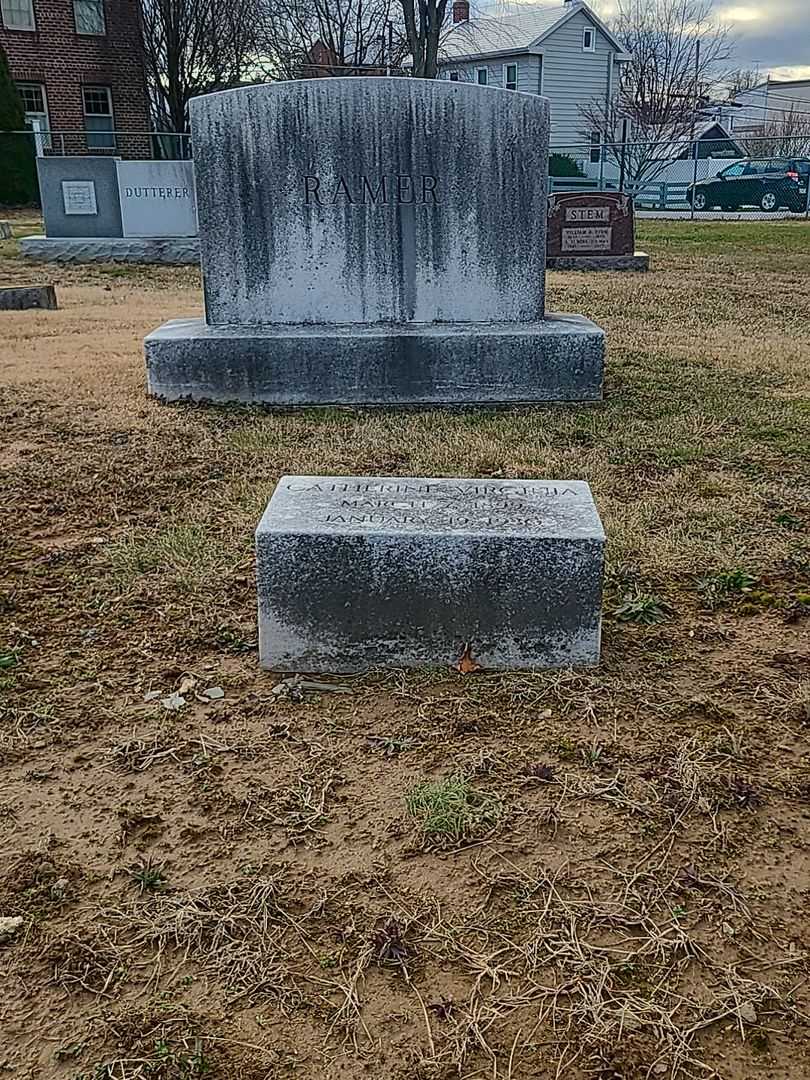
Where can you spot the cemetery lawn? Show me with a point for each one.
(419, 876)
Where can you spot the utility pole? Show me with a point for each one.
(694, 128)
(696, 92)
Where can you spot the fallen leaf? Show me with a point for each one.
(466, 665)
(747, 1012)
(9, 926)
(187, 684)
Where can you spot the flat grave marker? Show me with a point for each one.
(362, 572)
(25, 297)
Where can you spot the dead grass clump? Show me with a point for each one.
(623, 975)
(160, 1047)
(93, 963)
(240, 933)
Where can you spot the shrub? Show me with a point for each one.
(563, 165)
(18, 176)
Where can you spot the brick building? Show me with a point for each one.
(78, 66)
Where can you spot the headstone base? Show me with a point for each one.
(401, 572)
(639, 262)
(180, 251)
(558, 359)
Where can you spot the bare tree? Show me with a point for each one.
(193, 47)
(740, 80)
(678, 53)
(423, 26)
(785, 136)
(303, 38)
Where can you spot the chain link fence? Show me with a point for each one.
(731, 178)
(707, 179)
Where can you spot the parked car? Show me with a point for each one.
(770, 185)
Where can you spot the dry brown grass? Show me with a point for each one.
(638, 909)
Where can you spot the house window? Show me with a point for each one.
(510, 76)
(18, 14)
(596, 147)
(481, 76)
(589, 39)
(36, 108)
(88, 15)
(98, 117)
(453, 76)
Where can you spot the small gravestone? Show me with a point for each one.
(23, 297)
(373, 241)
(593, 230)
(362, 572)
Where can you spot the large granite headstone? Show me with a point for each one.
(593, 230)
(359, 572)
(373, 241)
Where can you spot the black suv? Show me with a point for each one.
(770, 185)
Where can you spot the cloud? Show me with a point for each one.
(770, 34)
(776, 39)
(740, 14)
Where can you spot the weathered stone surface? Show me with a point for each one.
(23, 297)
(87, 249)
(558, 359)
(359, 572)
(157, 198)
(639, 262)
(590, 223)
(362, 200)
(97, 179)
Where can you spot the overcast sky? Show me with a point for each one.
(774, 34)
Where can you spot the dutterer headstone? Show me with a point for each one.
(360, 572)
(593, 230)
(373, 241)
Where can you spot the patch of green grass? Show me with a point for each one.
(639, 607)
(148, 876)
(722, 237)
(190, 554)
(451, 811)
(789, 521)
(719, 589)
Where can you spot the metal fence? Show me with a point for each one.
(738, 177)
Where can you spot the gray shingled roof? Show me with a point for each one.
(514, 31)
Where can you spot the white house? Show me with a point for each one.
(564, 52)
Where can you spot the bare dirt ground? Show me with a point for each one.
(607, 874)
